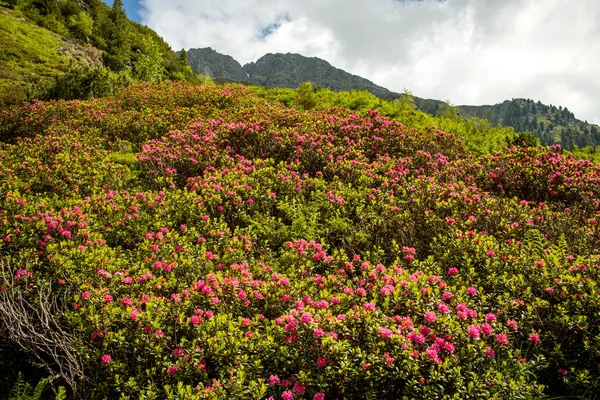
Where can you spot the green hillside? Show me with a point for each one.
(549, 123)
(29, 54)
(78, 49)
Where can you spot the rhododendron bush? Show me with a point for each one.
(204, 243)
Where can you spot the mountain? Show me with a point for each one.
(290, 70)
(549, 123)
(210, 62)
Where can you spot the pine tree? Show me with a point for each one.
(183, 57)
(116, 35)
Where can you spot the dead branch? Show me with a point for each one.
(31, 319)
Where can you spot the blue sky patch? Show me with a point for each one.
(132, 8)
(272, 27)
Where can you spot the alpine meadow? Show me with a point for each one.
(174, 225)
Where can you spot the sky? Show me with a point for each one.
(462, 51)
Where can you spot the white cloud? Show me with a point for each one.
(464, 51)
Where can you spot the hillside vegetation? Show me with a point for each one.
(550, 124)
(175, 241)
(78, 49)
(28, 53)
(478, 135)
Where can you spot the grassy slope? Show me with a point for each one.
(28, 54)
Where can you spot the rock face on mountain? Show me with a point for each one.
(217, 65)
(290, 70)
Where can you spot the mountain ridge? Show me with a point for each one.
(550, 124)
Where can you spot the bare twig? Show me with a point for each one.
(31, 321)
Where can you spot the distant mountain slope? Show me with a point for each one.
(290, 70)
(550, 124)
(217, 65)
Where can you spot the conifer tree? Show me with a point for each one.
(116, 34)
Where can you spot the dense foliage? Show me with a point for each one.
(174, 241)
(78, 49)
(549, 123)
(478, 135)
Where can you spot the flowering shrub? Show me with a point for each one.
(208, 244)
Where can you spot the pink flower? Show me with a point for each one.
(126, 301)
(274, 380)
(452, 271)
(299, 388)
(487, 329)
(194, 320)
(513, 324)
(85, 295)
(430, 317)
(178, 352)
(134, 314)
(319, 396)
(306, 318)
(387, 290)
(563, 372)
(432, 354)
(321, 362)
(385, 332)
(447, 296)
(416, 338)
(369, 307)
(323, 304)
(108, 298)
(287, 395)
(105, 359)
(490, 352)
(490, 317)
(172, 370)
(502, 339)
(443, 308)
(474, 331)
(284, 282)
(471, 291)
(534, 338)
(318, 332)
